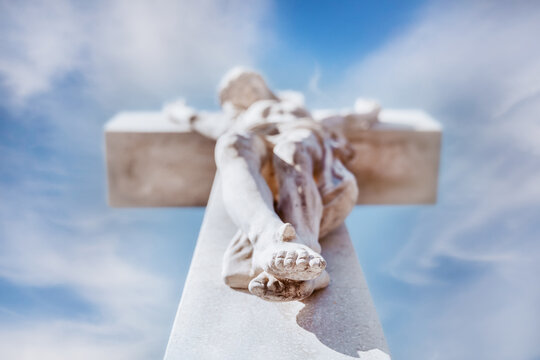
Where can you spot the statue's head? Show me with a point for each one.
(241, 88)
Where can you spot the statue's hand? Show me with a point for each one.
(365, 114)
(179, 112)
(367, 107)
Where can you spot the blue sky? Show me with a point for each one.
(81, 280)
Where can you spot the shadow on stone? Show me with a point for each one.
(327, 316)
(342, 316)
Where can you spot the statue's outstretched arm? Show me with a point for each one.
(211, 124)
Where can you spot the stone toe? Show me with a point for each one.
(279, 264)
(270, 288)
(317, 262)
(298, 263)
(258, 287)
(302, 263)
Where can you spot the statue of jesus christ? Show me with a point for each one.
(283, 181)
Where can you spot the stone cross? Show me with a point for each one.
(163, 159)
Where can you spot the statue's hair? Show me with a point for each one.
(242, 87)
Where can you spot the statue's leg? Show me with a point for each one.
(295, 156)
(300, 204)
(246, 195)
(249, 201)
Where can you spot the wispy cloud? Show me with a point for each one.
(313, 84)
(65, 66)
(125, 49)
(476, 67)
(41, 42)
(454, 61)
(93, 254)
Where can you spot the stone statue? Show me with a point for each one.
(283, 179)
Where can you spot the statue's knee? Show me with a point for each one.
(232, 144)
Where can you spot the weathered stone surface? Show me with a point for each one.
(152, 161)
(217, 322)
(397, 161)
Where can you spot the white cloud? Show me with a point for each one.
(40, 42)
(476, 67)
(126, 51)
(464, 67)
(53, 340)
(84, 253)
(69, 65)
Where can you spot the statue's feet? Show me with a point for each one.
(284, 255)
(293, 261)
(270, 288)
